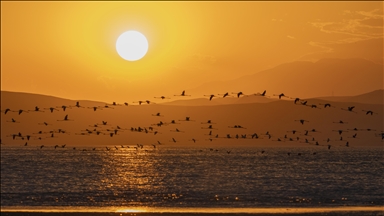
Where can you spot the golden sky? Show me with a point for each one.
(67, 49)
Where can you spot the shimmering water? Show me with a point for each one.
(192, 178)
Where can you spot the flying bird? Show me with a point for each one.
(238, 94)
(280, 95)
(210, 96)
(302, 121)
(225, 95)
(182, 94)
(163, 97)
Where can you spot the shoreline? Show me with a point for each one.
(192, 210)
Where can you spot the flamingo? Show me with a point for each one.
(255, 136)
(238, 94)
(6, 111)
(157, 114)
(177, 130)
(64, 107)
(327, 105)
(13, 121)
(350, 109)
(182, 94)
(140, 102)
(280, 95)
(210, 96)
(261, 94)
(225, 95)
(369, 112)
(208, 122)
(163, 97)
(341, 122)
(51, 109)
(65, 118)
(302, 121)
(187, 119)
(37, 109)
(209, 127)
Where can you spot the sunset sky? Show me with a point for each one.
(67, 49)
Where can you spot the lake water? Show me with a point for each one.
(189, 178)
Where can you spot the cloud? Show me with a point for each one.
(356, 26)
(361, 25)
(290, 37)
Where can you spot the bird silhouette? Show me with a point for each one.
(280, 95)
(157, 114)
(302, 121)
(210, 96)
(261, 94)
(225, 95)
(369, 112)
(37, 109)
(238, 94)
(6, 111)
(182, 94)
(350, 109)
(163, 97)
(341, 122)
(66, 118)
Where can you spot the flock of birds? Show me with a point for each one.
(103, 128)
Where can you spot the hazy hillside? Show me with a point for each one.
(221, 101)
(278, 118)
(375, 97)
(339, 77)
(28, 101)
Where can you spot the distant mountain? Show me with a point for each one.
(221, 101)
(375, 97)
(28, 101)
(306, 79)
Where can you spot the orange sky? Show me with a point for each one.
(67, 49)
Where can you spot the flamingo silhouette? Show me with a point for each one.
(157, 114)
(163, 97)
(280, 95)
(261, 94)
(210, 96)
(238, 94)
(302, 121)
(350, 109)
(51, 109)
(65, 118)
(341, 122)
(369, 112)
(6, 111)
(225, 95)
(37, 109)
(182, 94)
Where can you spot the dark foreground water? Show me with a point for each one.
(191, 180)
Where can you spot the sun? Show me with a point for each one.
(132, 45)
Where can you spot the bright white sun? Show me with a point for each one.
(132, 45)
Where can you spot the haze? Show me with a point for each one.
(67, 49)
